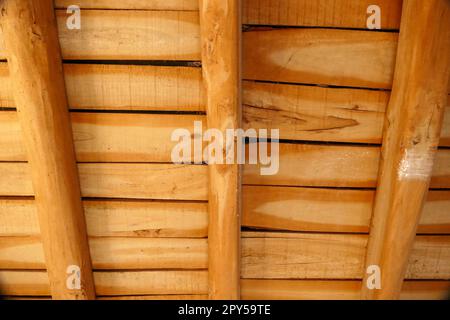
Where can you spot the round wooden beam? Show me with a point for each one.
(220, 32)
(34, 60)
(410, 140)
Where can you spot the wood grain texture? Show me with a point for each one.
(332, 256)
(103, 137)
(300, 165)
(329, 210)
(109, 218)
(132, 35)
(182, 5)
(34, 55)
(334, 166)
(282, 208)
(320, 56)
(410, 139)
(113, 253)
(299, 112)
(264, 255)
(119, 283)
(320, 114)
(220, 31)
(129, 35)
(325, 13)
(124, 87)
(253, 289)
(116, 180)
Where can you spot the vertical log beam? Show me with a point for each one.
(220, 32)
(411, 136)
(34, 60)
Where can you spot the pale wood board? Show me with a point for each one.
(324, 13)
(284, 255)
(264, 255)
(254, 289)
(320, 114)
(181, 5)
(300, 165)
(116, 218)
(334, 166)
(320, 56)
(265, 207)
(124, 87)
(113, 253)
(129, 35)
(116, 180)
(179, 282)
(35, 283)
(108, 137)
(329, 210)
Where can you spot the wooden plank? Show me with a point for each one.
(220, 31)
(320, 114)
(116, 180)
(158, 297)
(148, 181)
(35, 283)
(182, 5)
(129, 35)
(325, 13)
(113, 253)
(103, 137)
(410, 140)
(30, 31)
(125, 87)
(6, 96)
(332, 256)
(300, 165)
(294, 209)
(253, 289)
(329, 210)
(178, 282)
(320, 56)
(116, 218)
(334, 166)
(299, 112)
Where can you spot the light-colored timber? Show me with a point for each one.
(264, 255)
(181, 5)
(220, 30)
(265, 207)
(324, 13)
(117, 180)
(274, 255)
(334, 166)
(253, 289)
(35, 283)
(320, 56)
(320, 114)
(113, 283)
(113, 253)
(300, 165)
(116, 218)
(410, 139)
(130, 35)
(329, 210)
(35, 65)
(107, 137)
(125, 87)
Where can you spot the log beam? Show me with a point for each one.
(34, 60)
(411, 135)
(220, 33)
